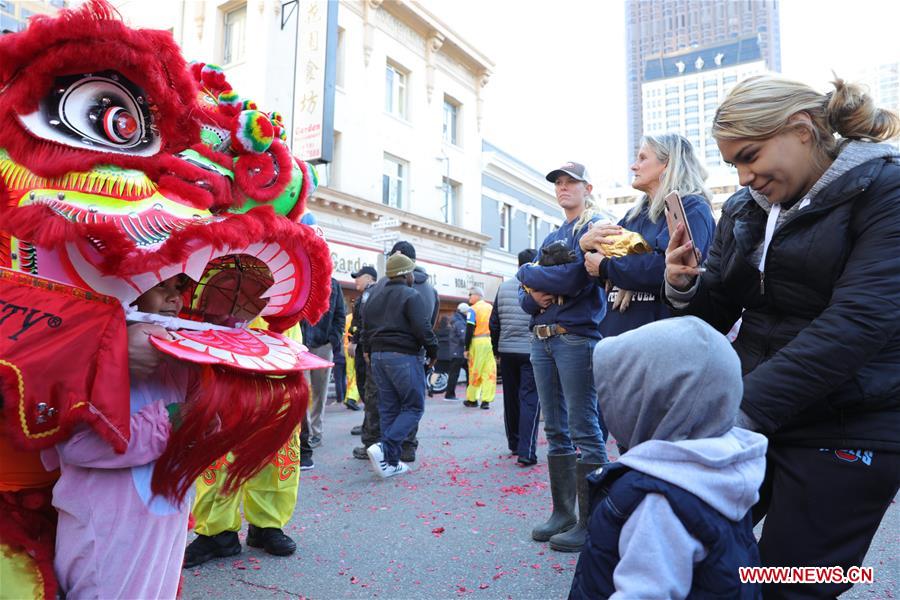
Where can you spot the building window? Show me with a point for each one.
(451, 121)
(505, 216)
(672, 113)
(710, 94)
(393, 181)
(451, 201)
(395, 90)
(533, 231)
(233, 39)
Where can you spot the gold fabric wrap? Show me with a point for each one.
(627, 242)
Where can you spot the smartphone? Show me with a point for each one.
(674, 216)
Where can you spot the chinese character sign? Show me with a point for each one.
(313, 118)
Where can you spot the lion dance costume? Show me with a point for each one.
(120, 167)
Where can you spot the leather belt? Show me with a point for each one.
(543, 332)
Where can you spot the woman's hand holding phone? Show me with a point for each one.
(681, 260)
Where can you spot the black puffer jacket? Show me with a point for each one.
(820, 340)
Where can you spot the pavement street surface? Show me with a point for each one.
(458, 525)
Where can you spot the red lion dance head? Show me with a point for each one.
(121, 166)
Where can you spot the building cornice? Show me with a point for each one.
(416, 16)
(360, 208)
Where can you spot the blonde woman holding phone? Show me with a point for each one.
(808, 253)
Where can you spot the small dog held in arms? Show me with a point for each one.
(559, 253)
(554, 254)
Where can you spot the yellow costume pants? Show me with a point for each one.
(482, 371)
(19, 575)
(352, 392)
(269, 497)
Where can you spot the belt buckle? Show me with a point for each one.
(542, 332)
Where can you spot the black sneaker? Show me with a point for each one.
(485, 406)
(270, 539)
(360, 453)
(208, 547)
(408, 454)
(356, 430)
(352, 405)
(526, 462)
(306, 462)
(470, 403)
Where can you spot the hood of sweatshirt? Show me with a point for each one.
(725, 471)
(674, 379)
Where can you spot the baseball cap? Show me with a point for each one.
(476, 290)
(365, 270)
(572, 169)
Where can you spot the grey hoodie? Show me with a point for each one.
(670, 391)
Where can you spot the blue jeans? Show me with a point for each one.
(401, 398)
(563, 373)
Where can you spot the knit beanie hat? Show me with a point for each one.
(398, 264)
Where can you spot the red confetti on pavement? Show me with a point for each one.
(483, 586)
(480, 503)
(354, 580)
(437, 531)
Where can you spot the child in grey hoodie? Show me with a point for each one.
(672, 517)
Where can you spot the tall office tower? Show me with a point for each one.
(673, 45)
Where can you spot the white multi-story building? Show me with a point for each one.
(681, 91)
(407, 123)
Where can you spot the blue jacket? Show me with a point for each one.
(616, 491)
(582, 301)
(643, 273)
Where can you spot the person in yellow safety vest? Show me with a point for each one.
(352, 391)
(269, 498)
(479, 352)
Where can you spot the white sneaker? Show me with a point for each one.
(389, 471)
(376, 457)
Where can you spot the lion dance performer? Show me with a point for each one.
(121, 180)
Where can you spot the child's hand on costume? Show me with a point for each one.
(143, 358)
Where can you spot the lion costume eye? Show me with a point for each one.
(100, 111)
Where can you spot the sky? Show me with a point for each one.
(558, 88)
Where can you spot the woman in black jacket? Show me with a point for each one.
(807, 255)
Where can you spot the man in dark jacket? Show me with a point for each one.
(457, 342)
(511, 340)
(397, 332)
(321, 338)
(363, 280)
(371, 432)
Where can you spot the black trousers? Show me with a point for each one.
(305, 448)
(521, 408)
(453, 375)
(371, 429)
(822, 508)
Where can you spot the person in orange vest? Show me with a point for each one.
(479, 352)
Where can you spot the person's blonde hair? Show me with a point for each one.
(761, 107)
(590, 211)
(684, 174)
